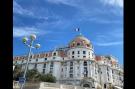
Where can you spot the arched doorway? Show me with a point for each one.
(86, 85)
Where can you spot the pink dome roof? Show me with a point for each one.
(80, 41)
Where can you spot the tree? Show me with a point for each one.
(33, 75)
(48, 78)
(17, 72)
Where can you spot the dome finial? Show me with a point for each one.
(80, 33)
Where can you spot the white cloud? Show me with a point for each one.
(118, 3)
(66, 2)
(110, 43)
(26, 31)
(19, 10)
(110, 38)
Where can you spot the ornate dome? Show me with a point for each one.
(80, 41)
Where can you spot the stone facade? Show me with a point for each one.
(76, 64)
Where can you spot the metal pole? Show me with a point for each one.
(26, 67)
(74, 74)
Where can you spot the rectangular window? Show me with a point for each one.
(71, 75)
(51, 70)
(78, 52)
(71, 63)
(104, 85)
(84, 56)
(108, 74)
(43, 71)
(45, 59)
(54, 57)
(72, 56)
(73, 52)
(71, 68)
(35, 66)
(84, 52)
(44, 66)
(51, 65)
(36, 60)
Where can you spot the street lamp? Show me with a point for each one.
(29, 43)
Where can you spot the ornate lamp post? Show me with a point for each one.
(29, 43)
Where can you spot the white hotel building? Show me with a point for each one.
(77, 64)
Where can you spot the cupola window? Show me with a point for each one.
(73, 45)
(78, 44)
(88, 45)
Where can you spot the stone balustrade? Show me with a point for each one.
(46, 85)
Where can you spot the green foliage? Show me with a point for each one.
(33, 75)
(48, 78)
(17, 72)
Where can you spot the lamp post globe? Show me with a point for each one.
(37, 46)
(32, 36)
(25, 39)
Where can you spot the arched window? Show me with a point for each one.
(88, 45)
(54, 54)
(73, 44)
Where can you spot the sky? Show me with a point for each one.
(54, 22)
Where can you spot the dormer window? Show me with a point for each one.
(54, 54)
(73, 45)
(30, 56)
(46, 55)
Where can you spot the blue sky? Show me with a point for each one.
(54, 23)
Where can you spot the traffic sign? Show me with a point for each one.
(22, 80)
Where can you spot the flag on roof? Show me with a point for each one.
(77, 29)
